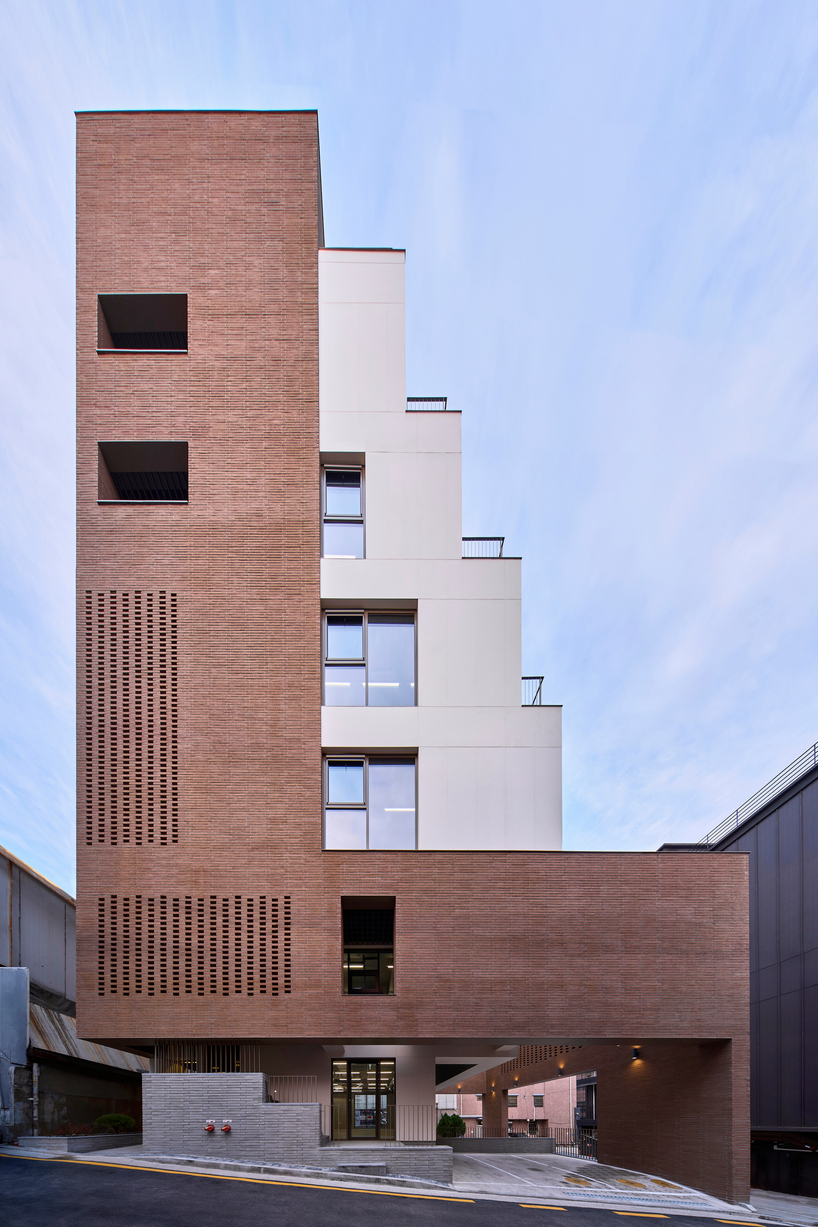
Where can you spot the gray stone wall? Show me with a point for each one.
(175, 1108)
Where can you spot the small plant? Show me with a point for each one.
(115, 1122)
(68, 1130)
(451, 1126)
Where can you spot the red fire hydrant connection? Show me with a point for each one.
(210, 1126)
(226, 1125)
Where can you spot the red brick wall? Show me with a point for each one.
(225, 208)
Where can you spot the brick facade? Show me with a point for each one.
(206, 908)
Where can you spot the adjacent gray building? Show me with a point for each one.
(50, 1079)
(778, 829)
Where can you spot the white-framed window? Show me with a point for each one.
(370, 802)
(369, 659)
(342, 507)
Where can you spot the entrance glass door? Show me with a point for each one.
(363, 1100)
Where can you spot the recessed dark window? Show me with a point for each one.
(146, 472)
(142, 321)
(369, 935)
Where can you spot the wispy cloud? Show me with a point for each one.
(613, 270)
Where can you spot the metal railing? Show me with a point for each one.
(296, 1088)
(578, 1143)
(426, 404)
(532, 691)
(804, 763)
(192, 1057)
(403, 1124)
(483, 547)
(516, 1129)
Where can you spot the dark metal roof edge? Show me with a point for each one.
(203, 111)
(399, 250)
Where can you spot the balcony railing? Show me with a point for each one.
(292, 1088)
(804, 763)
(483, 547)
(532, 691)
(401, 1124)
(426, 404)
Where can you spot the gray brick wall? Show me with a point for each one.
(175, 1108)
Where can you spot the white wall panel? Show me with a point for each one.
(489, 771)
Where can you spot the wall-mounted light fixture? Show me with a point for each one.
(562, 1071)
(635, 1053)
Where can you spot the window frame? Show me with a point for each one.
(339, 757)
(338, 660)
(373, 952)
(332, 519)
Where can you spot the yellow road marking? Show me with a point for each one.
(524, 1206)
(638, 1214)
(736, 1223)
(289, 1184)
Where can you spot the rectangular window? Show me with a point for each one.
(343, 513)
(152, 471)
(369, 660)
(369, 936)
(142, 321)
(368, 971)
(370, 803)
(538, 1101)
(512, 1101)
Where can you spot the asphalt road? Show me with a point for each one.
(66, 1193)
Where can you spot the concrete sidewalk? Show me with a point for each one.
(786, 1206)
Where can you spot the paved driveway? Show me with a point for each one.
(559, 1176)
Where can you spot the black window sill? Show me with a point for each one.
(142, 502)
(121, 350)
(368, 994)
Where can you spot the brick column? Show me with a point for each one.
(495, 1108)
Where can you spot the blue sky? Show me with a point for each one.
(610, 212)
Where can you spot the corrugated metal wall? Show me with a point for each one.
(37, 930)
(783, 848)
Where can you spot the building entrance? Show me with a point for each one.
(363, 1100)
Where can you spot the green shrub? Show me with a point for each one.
(451, 1126)
(115, 1122)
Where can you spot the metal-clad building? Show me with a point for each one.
(50, 1079)
(38, 931)
(778, 828)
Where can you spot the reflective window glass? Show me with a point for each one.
(345, 828)
(345, 783)
(391, 653)
(345, 637)
(344, 686)
(343, 492)
(343, 540)
(391, 804)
